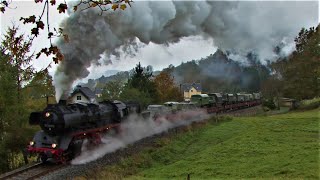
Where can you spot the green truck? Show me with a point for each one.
(202, 100)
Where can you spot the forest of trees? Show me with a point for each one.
(22, 90)
(143, 87)
(298, 75)
(218, 73)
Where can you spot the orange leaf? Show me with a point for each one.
(66, 38)
(94, 4)
(115, 6)
(53, 49)
(40, 25)
(62, 8)
(123, 6)
(53, 2)
(35, 31)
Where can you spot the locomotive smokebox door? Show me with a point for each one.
(34, 118)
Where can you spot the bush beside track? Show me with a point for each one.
(278, 146)
(310, 104)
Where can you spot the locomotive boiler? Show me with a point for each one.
(65, 126)
(60, 118)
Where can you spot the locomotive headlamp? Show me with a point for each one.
(47, 114)
(54, 145)
(31, 143)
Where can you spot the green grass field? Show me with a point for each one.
(275, 147)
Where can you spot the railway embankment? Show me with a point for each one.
(277, 146)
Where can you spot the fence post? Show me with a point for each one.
(25, 156)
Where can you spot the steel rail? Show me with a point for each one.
(32, 171)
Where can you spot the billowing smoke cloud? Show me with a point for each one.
(134, 129)
(237, 26)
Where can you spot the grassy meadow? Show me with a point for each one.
(274, 147)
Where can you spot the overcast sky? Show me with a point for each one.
(159, 56)
(27, 8)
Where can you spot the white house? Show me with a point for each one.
(82, 95)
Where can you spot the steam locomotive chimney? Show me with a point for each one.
(62, 102)
(63, 99)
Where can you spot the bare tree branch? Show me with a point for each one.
(103, 5)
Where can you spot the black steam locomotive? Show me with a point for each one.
(64, 127)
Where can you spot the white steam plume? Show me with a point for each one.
(237, 26)
(134, 129)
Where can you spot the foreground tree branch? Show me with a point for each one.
(40, 24)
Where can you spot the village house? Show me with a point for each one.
(190, 89)
(82, 95)
(98, 92)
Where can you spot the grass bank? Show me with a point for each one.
(278, 146)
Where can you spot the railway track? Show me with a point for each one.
(31, 171)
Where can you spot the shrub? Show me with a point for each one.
(268, 103)
(310, 103)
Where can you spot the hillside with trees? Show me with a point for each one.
(298, 75)
(218, 73)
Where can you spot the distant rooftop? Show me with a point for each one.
(187, 86)
(98, 91)
(87, 92)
